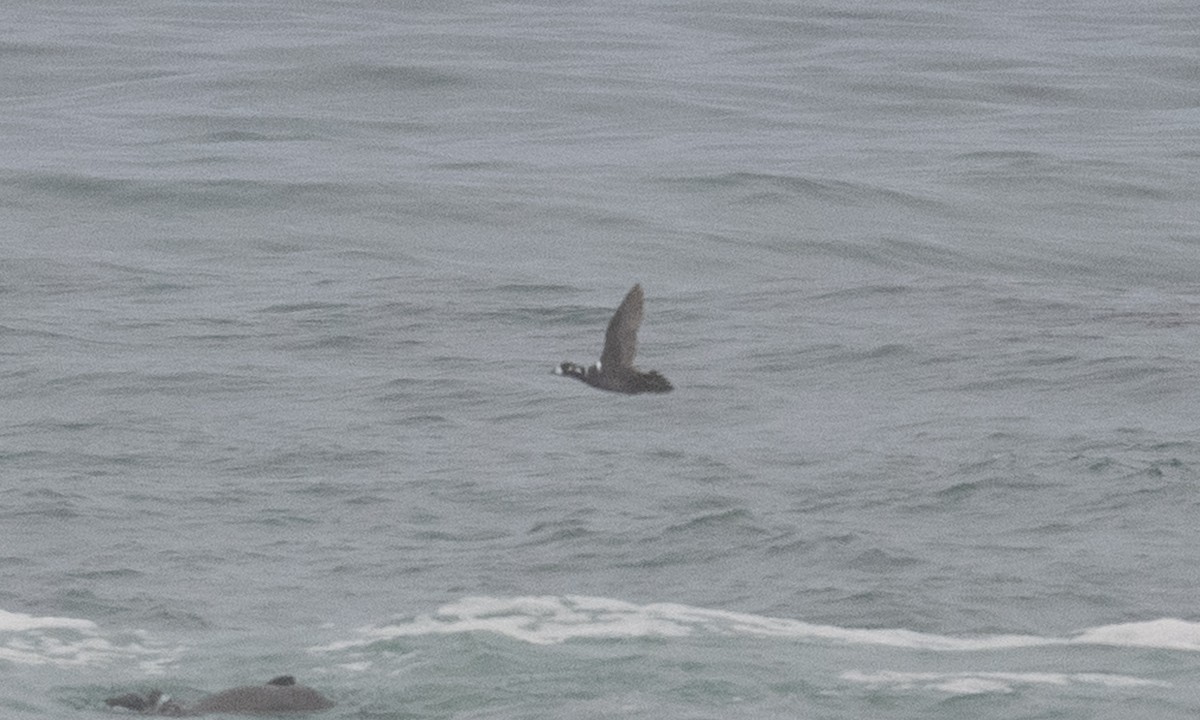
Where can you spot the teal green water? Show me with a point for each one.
(282, 287)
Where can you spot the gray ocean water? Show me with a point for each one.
(282, 284)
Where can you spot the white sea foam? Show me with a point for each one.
(1165, 633)
(555, 619)
(20, 622)
(975, 683)
(73, 642)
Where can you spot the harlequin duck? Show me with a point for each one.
(615, 371)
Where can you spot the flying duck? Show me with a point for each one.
(615, 371)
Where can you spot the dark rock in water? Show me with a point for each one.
(280, 695)
(263, 699)
(132, 701)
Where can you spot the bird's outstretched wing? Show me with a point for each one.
(620, 341)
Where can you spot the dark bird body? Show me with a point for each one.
(615, 371)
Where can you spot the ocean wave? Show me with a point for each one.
(545, 620)
(73, 642)
(976, 683)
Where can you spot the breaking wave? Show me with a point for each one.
(554, 619)
(72, 642)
